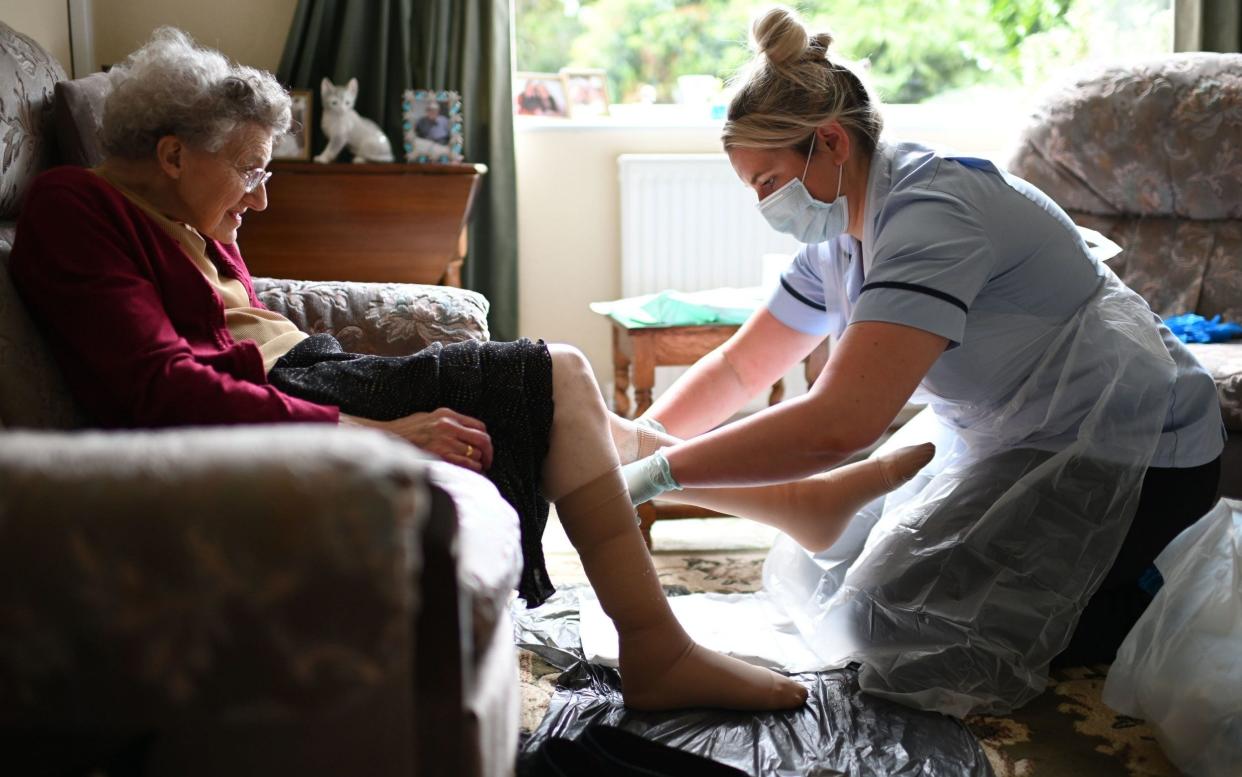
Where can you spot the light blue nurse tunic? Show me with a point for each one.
(956, 247)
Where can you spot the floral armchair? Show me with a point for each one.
(1151, 155)
(264, 599)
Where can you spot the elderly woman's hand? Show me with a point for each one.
(456, 438)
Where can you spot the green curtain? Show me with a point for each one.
(1207, 25)
(460, 45)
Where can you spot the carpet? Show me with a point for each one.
(1066, 731)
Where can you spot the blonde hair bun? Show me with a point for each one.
(781, 36)
(792, 86)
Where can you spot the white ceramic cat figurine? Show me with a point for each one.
(344, 127)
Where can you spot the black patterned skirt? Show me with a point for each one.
(507, 386)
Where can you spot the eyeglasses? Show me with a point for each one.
(253, 179)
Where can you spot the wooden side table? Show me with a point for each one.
(635, 355)
(637, 352)
(363, 222)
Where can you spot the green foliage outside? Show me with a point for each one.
(915, 49)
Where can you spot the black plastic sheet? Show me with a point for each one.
(840, 730)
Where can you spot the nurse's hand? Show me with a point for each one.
(456, 438)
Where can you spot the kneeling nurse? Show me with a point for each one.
(1075, 436)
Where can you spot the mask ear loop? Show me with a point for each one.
(840, 169)
(807, 166)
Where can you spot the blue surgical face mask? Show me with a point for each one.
(792, 210)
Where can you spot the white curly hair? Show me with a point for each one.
(172, 86)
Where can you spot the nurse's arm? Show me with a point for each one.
(720, 383)
(870, 375)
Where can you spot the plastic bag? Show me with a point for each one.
(840, 730)
(1180, 668)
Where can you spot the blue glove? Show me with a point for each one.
(648, 478)
(1191, 328)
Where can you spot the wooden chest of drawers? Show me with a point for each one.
(362, 222)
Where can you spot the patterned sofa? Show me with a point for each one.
(245, 600)
(1151, 155)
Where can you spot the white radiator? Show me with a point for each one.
(688, 223)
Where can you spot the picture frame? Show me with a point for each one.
(587, 91)
(433, 126)
(296, 143)
(540, 94)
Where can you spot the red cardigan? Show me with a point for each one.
(136, 328)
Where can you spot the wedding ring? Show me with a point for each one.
(469, 451)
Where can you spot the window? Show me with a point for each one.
(916, 51)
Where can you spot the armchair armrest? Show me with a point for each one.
(256, 582)
(387, 319)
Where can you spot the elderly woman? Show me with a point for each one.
(149, 309)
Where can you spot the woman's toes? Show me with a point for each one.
(789, 694)
(902, 464)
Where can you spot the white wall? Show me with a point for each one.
(569, 233)
(250, 32)
(47, 21)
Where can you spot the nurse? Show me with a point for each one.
(1075, 435)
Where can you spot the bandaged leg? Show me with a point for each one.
(813, 511)
(633, 440)
(661, 667)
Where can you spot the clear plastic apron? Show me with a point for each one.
(955, 591)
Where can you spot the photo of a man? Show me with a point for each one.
(434, 125)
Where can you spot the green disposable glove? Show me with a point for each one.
(648, 478)
(651, 424)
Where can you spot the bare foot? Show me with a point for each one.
(699, 677)
(896, 467)
(815, 511)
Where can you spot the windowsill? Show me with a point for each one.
(624, 117)
(932, 115)
(985, 128)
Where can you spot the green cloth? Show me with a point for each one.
(675, 308)
(1207, 25)
(458, 45)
